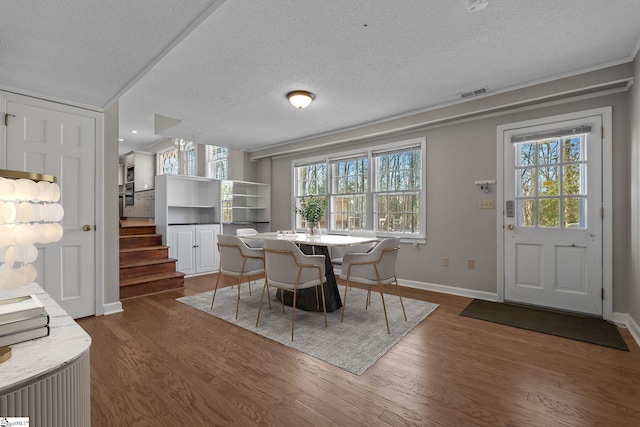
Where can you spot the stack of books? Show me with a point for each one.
(22, 319)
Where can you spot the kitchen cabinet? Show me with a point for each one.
(138, 204)
(194, 247)
(143, 165)
(129, 211)
(149, 203)
(143, 205)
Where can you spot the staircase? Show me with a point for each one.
(145, 266)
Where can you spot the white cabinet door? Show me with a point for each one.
(195, 247)
(183, 242)
(149, 203)
(206, 238)
(138, 204)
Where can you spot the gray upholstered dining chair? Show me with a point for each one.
(290, 270)
(338, 252)
(238, 261)
(377, 267)
(246, 233)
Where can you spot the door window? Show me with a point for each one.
(551, 183)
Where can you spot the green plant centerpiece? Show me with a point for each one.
(312, 209)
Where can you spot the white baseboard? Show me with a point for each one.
(452, 290)
(627, 321)
(443, 289)
(114, 307)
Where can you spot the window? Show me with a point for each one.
(216, 162)
(349, 185)
(550, 183)
(380, 189)
(398, 183)
(189, 162)
(168, 162)
(310, 179)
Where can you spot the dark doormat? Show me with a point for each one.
(566, 325)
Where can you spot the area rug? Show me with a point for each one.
(354, 345)
(566, 325)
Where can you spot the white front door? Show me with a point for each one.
(63, 145)
(553, 235)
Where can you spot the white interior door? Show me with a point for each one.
(63, 145)
(553, 237)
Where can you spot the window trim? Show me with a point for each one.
(401, 145)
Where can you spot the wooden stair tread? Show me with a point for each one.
(140, 263)
(134, 236)
(150, 278)
(144, 248)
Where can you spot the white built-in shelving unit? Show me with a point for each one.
(188, 216)
(245, 204)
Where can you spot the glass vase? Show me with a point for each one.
(312, 230)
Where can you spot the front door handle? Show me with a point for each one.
(86, 227)
(510, 227)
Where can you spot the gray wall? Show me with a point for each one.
(633, 257)
(111, 212)
(459, 154)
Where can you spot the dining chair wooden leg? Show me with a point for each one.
(260, 306)
(293, 312)
(344, 303)
(384, 308)
(399, 296)
(324, 307)
(215, 290)
(238, 301)
(268, 295)
(282, 291)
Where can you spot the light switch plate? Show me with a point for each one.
(486, 204)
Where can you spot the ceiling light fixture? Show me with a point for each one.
(475, 5)
(134, 131)
(182, 144)
(300, 98)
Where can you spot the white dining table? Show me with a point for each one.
(316, 245)
(326, 240)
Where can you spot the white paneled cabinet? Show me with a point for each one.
(194, 246)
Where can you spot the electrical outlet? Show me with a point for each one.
(486, 204)
(471, 264)
(445, 261)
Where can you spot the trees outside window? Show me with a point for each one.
(381, 189)
(551, 176)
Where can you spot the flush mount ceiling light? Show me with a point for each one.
(475, 5)
(300, 98)
(182, 144)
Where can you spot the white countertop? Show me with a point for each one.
(32, 359)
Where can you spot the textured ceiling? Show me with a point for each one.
(223, 68)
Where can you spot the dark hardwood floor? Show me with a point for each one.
(163, 363)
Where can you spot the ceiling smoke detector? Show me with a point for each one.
(475, 5)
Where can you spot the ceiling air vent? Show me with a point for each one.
(474, 92)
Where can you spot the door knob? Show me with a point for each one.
(86, 227)
(510, 227)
